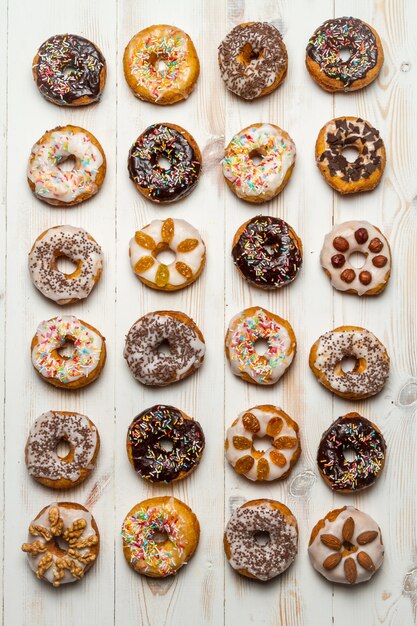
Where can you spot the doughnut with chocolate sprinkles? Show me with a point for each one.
(356, 433)
(71, 243)
(245, 551)
(170, 142)
(253, 60)
(267, 252)
(69, 70)
(148, 456)
(372, 362)
(148, 363)
(363, 174)
(325, 63)
(42, 460)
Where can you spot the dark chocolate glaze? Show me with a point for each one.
(69, 67)
(349, 134)
(261, 267)
(336, 34)
(150, 459)
(358, 434)
(161, 140)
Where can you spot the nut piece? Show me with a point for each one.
(331, 541)
(262, 470)
(365, 561)
(341, 244)
(183, 269)
(285, 442)
(361, 235)
(338, 260)
(278, 458)
(162, 275)
(187, 245)
(274, 427)
(350, 569)
(167, 230)
(145, 240)
(348, 528)
(380, 260)
(241, 443)
(375, 245)
(366, 537)
(144, 264)
(332, 561)
(348, 276)
(244, 464)
(365, 278)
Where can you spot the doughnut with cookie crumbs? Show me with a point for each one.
(247, 554)
(174, 522)
(372, 362)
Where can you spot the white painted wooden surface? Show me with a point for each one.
(207, 591)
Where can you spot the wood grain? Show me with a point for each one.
(207, 591)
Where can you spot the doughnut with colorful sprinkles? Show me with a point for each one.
(325, 63)
(244, 330)
(57, 186)
(161, 64)
(170, 520)
(259, 182)
(80, 368)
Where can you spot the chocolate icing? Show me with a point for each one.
(69, 67)
(259, 266)
(336, 34)
(348, 134)
(150, 459)
(161, 140)
(358, 434)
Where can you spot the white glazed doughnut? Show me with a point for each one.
(63, 543)
(346, 546)
(77, 370)
(371, 368)
(174, 234)
(243, 332)
(56, 186)
(346, 239)
(258, 183)
(277, 460)
(78, 246)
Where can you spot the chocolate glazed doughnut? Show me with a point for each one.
(267, 252)
(149, 458)
(179, 148)
(351, 432)
(69, 70)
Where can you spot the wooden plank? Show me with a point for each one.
(194, 595)
(299, 107)
(27, 600)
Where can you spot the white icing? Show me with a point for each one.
(51, 336)
(264, 179)
(182, 230)
(264, 417)
(318, 552)
(75, 244)
(347, 231)
(51, 182)
(244, 331)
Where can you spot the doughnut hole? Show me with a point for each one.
(262, 538)
(165, 255)
(164, 347)
(163, 163)
(261, 346)
(66, 266)
(166, 444)
(68, 163)
(345, 53)
(67, 349)
(349, 454)
(357, 259)
(158, 62)
(257, 156)
(160, 537)
(350, 153)
(350, 363)
(248, 54)
(64, 450)
(260, 445)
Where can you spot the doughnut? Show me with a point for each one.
(253, 60)
(72, 243)
(356, 433)
(168, 519)
(56, 186)
(325, 63)
(79, 369)
(177, 146)
(170, 234)
(274, 463)
(149, 458)
(63, 543)
(69, 70)
(242, 540)
(244, 330)
(267, 252)
(365, 173)
(161, 64)
(42, 460)
(152, 366)
(346, 546)
(371, 367)
(263, 181)
(346, 239)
